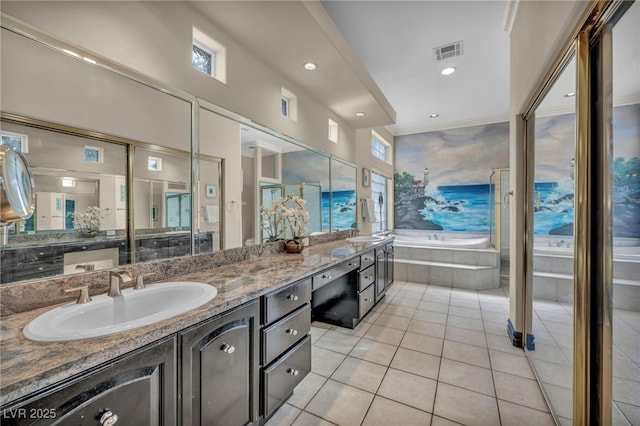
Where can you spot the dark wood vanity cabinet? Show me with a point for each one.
(138, 389)
(220, 369)
(286, 343)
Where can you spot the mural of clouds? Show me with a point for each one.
(305, 166)
(554, 147)
(456, 156)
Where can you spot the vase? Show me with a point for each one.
(294, 246)
(89, 234)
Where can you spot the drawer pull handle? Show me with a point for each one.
(227, 348)
(367, 300)
(292, 331)
(108, 418)
(292, 297)
(293, 372)
(368, 278)
(350, 264)
(326, 276)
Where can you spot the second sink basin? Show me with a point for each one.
(366, 239)
(106, 315)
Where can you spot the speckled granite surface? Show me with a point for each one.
(27, 366)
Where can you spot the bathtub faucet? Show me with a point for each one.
(560, 243)
(435, 237)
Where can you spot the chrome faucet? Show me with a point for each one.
(435, 237)
(86, 267)
(116, 279)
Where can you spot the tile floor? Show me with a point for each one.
(426, 355)
(553, 360)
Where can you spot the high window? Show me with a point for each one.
(379, 147)
(15, 141)
(333, 131)
(209, 56)
(93, 154)
(380, 198)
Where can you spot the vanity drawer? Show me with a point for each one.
(367, 259)
(366, 300)
(282, 376)
(280, 336)
(366, 278)
(286, 300)
(329, 275)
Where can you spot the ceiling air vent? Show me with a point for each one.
(177, 185)
(449, 50)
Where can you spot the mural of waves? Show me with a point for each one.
(343, 210)
(458, 207)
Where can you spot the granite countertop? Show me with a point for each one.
(27, 366)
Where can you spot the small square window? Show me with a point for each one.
(203, 60)
(379, 147)
(15, 141)
(155, 164)
(93, 154)
(284, 106)
(333, 131)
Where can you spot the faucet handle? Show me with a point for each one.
(83, 297)
(140, 281)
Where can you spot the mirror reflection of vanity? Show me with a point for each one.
(161, 190)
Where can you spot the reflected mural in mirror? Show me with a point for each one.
(343, 198)
(80, 183)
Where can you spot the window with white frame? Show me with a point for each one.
(209, 56)
(154, 164)
(333, 131)
(93, 154)
(16, 141)
(380, 200)
(379, 147)
(288, 104)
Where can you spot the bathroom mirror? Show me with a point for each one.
(17, 196)
(343, 201)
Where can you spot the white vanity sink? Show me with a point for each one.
(366, 239)
(106, 315)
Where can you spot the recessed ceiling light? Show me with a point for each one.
(570, 95)
(434, 115)
(448, 71)
(360, 114)
(310, 66)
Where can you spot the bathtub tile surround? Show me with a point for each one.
(446, 261)
(436, 383)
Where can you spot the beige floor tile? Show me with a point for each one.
(437, 298)
(393, 321)
(627, 391)
(306, 390)
(461, 293)
(337, 342)
(415, 288)
(500, 317)
(503, 343)
(405, 301)
(284, 416)
(422, 343)
(370, 350)
(465, 303)
(360, 374)
(409, 389)
(427, 328)
(387, 335)
(630, 412)
(519, 390)
(496, 327)
(324, 362)
(416, 363)
(466, 407)
(400, 311)
(434, 307)
(512, 364)
(465, 322)
(555, 374)
(429, 316)
(439, 421)
(306, 419)
(550, 353)
(385, 412)
(470, 354)
(463, 335)
(561, 400)
(340, 404)
(460, 311)
(317, 333)
(517, 415)
(467, 376)
(358, 330)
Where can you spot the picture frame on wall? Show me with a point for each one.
(366, 177)
(210, 191)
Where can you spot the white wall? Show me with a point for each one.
(539, 30)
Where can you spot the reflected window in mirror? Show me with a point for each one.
(15, 141)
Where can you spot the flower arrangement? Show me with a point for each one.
(89, 220)
(279, 220)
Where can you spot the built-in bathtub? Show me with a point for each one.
(553, 271)
(446, 259)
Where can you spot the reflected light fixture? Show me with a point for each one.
(434, 115)
(569, 95)
(91, 61)
(448, 70)
(360, 114)
(68, 182)
(310, 66)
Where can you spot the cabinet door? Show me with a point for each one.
(139, 389)
(381, 272)
(219, 370)
(389, 265)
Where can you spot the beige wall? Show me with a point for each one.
(154, 38)
(539, 30)
(363, 158)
